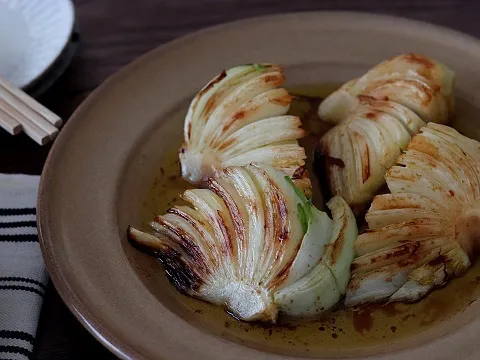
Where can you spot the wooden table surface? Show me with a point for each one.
(113, 33)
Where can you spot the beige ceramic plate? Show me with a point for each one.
(105, 161)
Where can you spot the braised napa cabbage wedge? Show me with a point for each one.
(240, 117)
(376, 116)
(428, 229)
(254, 243)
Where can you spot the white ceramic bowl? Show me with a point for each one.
(33, 34)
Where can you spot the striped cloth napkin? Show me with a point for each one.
(23, 277)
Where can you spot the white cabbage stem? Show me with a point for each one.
(468, 223)
(244, 301)
(197, 166)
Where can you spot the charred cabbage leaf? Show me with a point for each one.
(240, 117)
(254, 243)
(427, 230)
(377, 114)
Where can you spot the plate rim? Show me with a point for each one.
(67, 294)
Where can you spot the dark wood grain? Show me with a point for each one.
(113, 33)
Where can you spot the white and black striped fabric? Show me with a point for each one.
(23, 277)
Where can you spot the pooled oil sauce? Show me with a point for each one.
(342, 328)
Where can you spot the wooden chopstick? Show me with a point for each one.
(19, 111)
(9, 123)
(51, 117)
(25, 111)
(29, 127)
